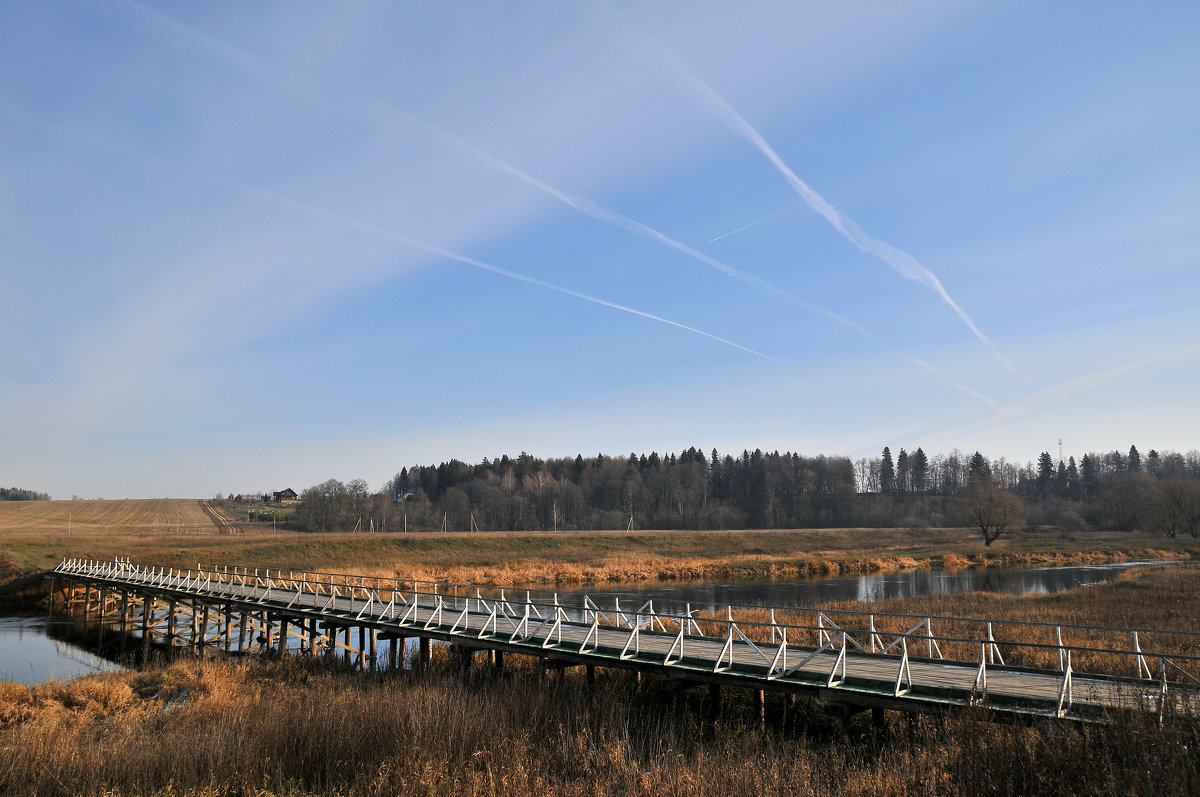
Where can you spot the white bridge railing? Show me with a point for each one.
(809, 645)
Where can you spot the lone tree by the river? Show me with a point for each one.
(985, 504)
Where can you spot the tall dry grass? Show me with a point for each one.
(586, 557)
(299, 726)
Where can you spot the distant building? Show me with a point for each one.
(287, 496)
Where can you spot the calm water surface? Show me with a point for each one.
(30, 653)
(801, 593)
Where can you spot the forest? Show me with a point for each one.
(1156, 493)
(18, 494)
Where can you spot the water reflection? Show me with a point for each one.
(37, 649)
(672, 597)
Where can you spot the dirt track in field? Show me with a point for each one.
(130, 516)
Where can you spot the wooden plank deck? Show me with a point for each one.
(850, 677)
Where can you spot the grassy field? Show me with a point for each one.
(34, 536)
(301, 726)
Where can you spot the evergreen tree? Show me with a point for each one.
(1135, 460)
(887, 473)
(1045, 472)
(920, 470)
(979, 467)
(903, 467)
(1089, 476)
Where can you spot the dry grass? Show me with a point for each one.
(300, 726)
(37, 541)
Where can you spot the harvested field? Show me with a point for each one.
(130, 516)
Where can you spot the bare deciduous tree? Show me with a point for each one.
(984, 504)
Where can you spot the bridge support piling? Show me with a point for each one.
(100, 614)
(498, 660)
(590, 673)
(877, 718)
(374, 643)
(171, 606)
(226, 631)
(283, 636)
(147, 610)
(760, 708)
(714, 703)
(423, 653)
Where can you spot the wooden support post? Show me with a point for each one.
(147, 611)
(124, 609)
(877, 717)
(195, 623)
(283, 635)
(100, 614)
(464, 655)
(87, 605)
(590, 670)
(269, 631)
(228, 619)
(393, 644)
(171, 623)
(423, 654)
(374, 641)
(760, 708)
(242, 617)
(714, 703)
(203, 627)
(362, 647)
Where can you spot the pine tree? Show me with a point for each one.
(979, 467)
(887, 473)
(1135, 460)
(920, 470)
(902, 471)
(1045, 475)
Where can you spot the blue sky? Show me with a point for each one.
(249, 248)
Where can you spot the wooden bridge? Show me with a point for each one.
(851, 661)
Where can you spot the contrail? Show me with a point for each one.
(753, 223)
(581, 204)
(607, 215)
(370, 229)
(901, 261)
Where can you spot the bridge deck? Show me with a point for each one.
(841, 669)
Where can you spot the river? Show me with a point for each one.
(37, 649)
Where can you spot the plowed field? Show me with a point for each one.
(146, 516)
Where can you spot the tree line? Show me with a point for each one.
(18, 494)
(692, 490)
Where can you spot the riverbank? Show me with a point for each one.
(300, 726)
(586, 558)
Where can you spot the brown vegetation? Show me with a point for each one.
(183, 535)
(130, 516)
(302, 726)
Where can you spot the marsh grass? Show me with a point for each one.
(301, 726)
(510, 559)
